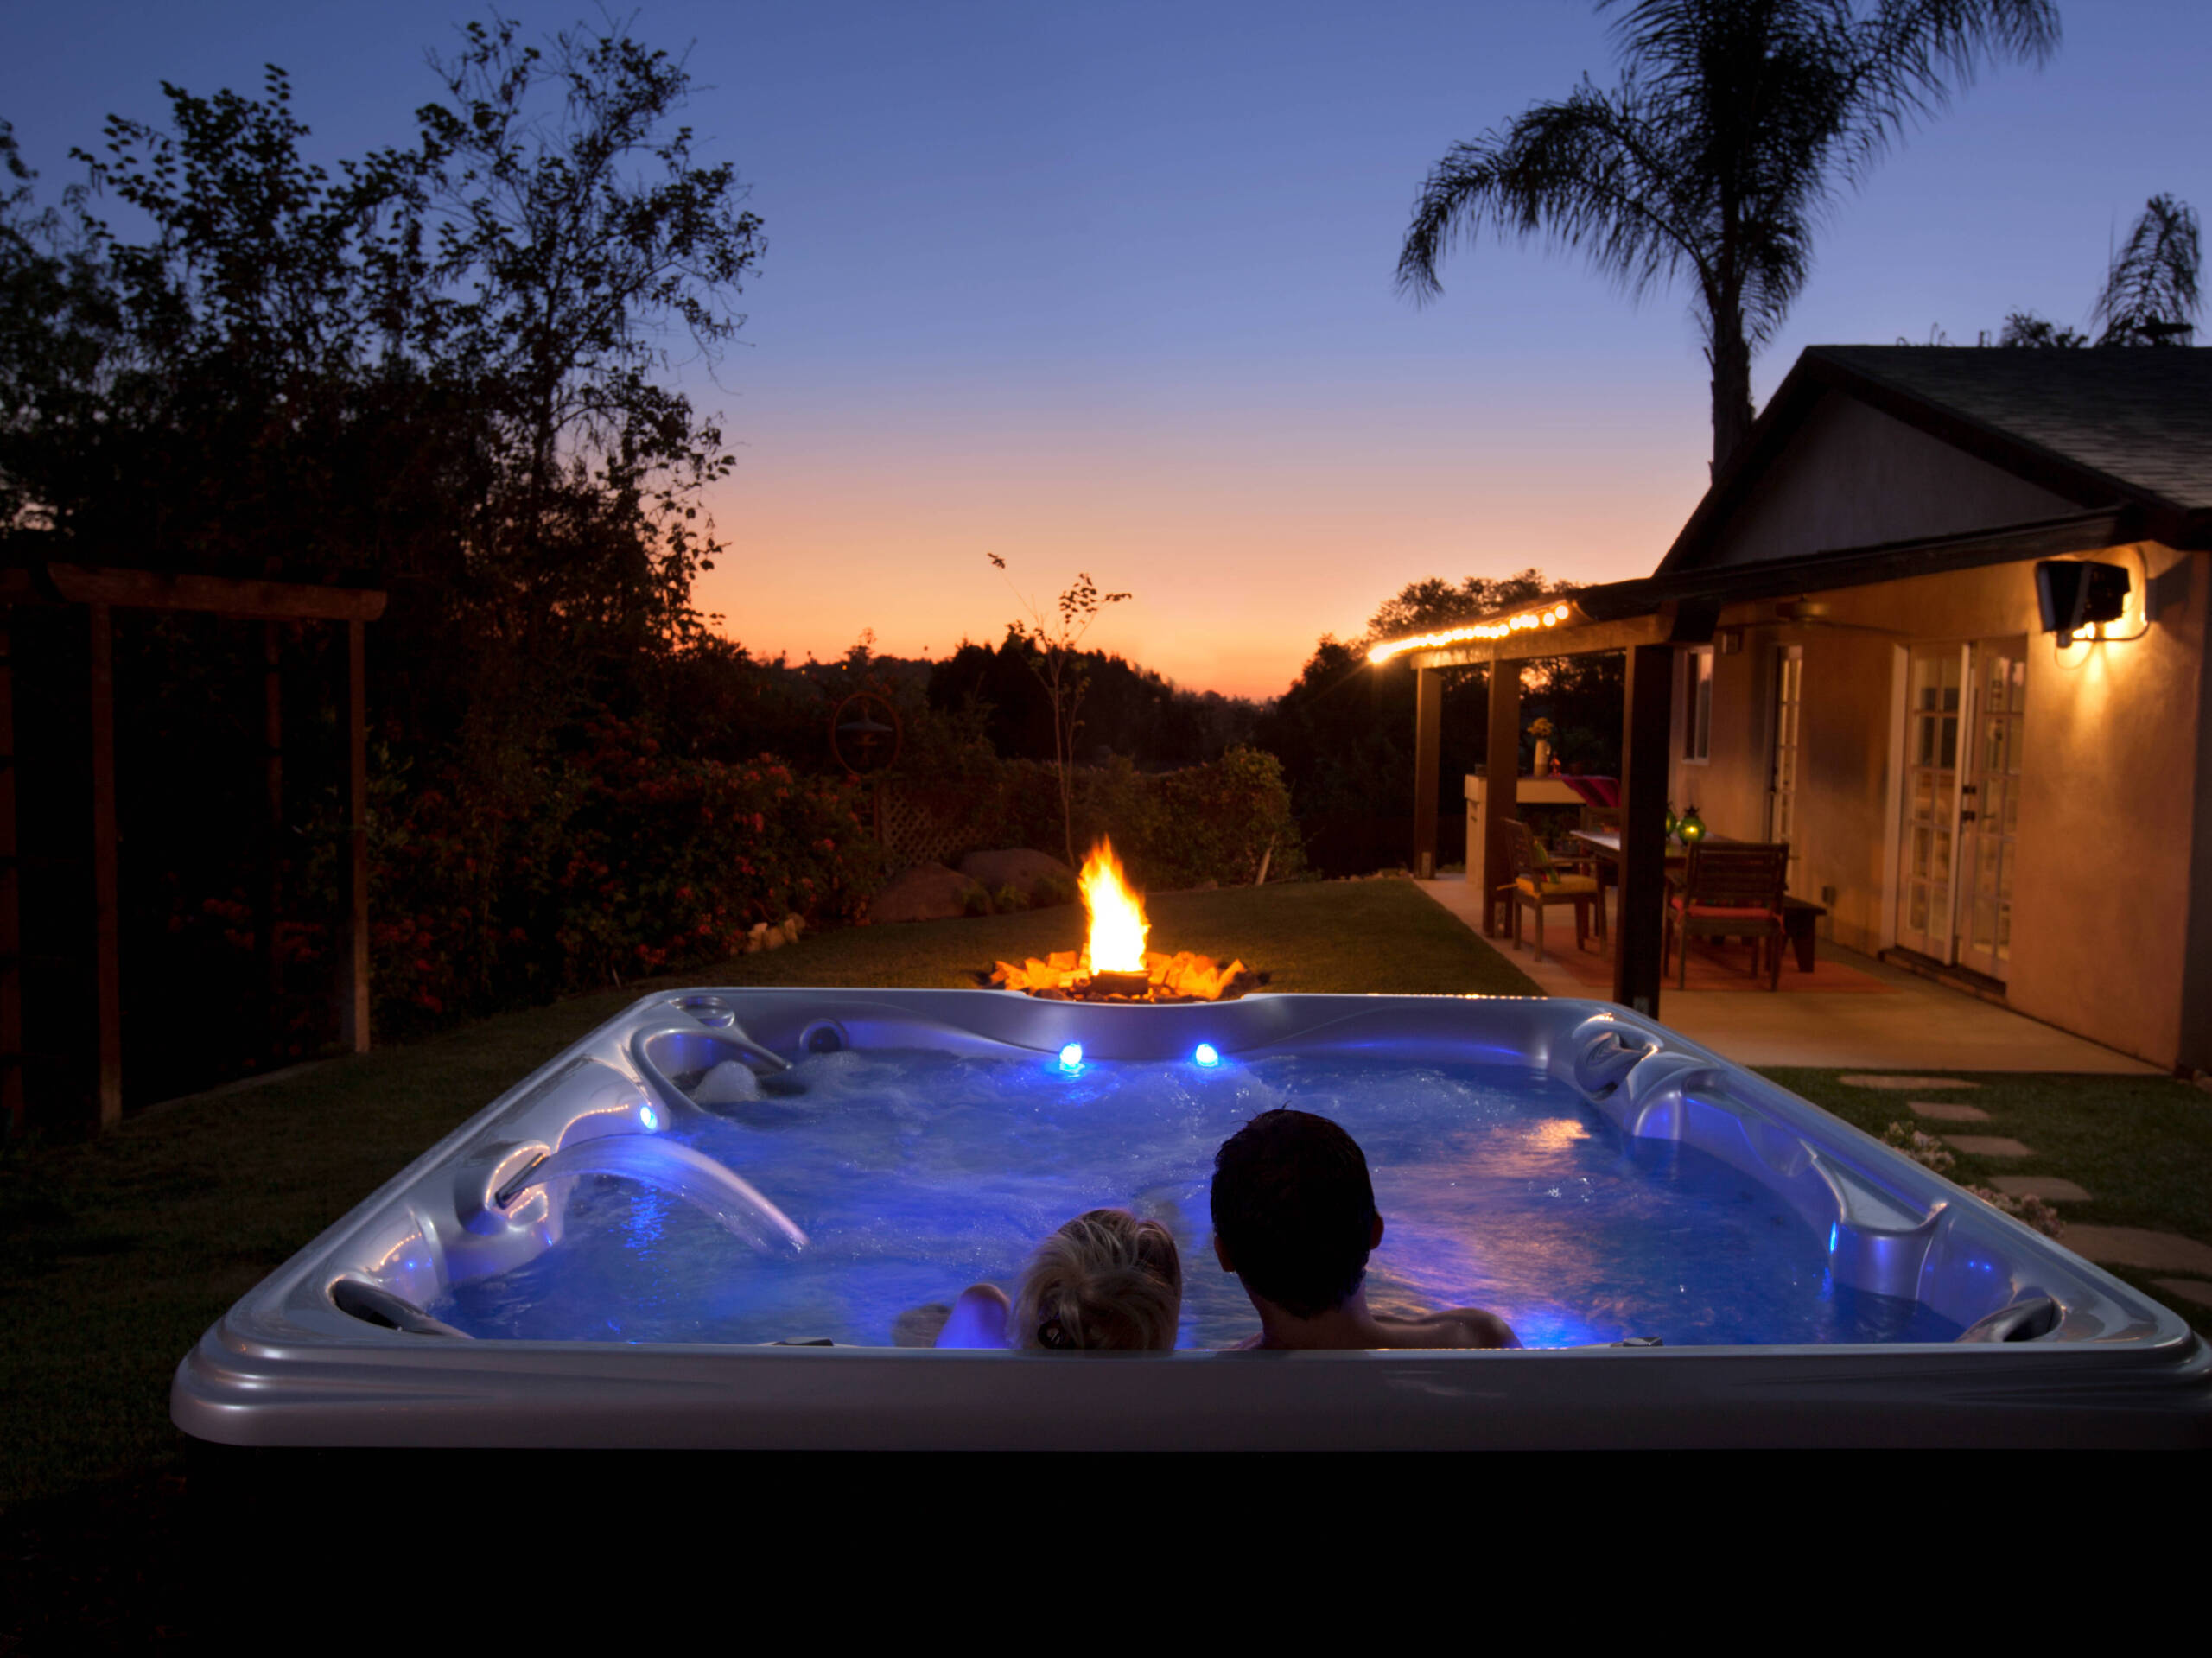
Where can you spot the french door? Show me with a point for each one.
(1963, 752)
(1989, 813)
(1782, 783)
(1935, 682)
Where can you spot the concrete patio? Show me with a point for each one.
(1902, 1022)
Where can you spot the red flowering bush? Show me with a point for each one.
(613, 861)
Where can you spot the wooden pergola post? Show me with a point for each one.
(11, 893)
(1501, 786)
(1428, 735)
(354, 1016)
(107, 934)
(1639, 936)
(270, 899)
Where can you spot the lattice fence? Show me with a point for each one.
(924, 825)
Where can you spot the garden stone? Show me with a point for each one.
(928, 891)
(2141, 1247)
(1024, 871)
(1987, 1145)
(1947, 1113)
(2190, 1289)
(2048, 1187)
(1868, 1080)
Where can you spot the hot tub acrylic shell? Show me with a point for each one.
(2061, 1352)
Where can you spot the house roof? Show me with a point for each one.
(2125, 432)
(2117, 426)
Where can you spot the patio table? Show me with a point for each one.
(1798, 915)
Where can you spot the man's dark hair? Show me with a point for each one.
(1292, 1203)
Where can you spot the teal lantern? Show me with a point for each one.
(1692, 828)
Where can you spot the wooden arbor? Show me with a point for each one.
(98, 592)
(1649, 642)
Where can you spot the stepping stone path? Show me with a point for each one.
(2048, 1187)
(1947, 1113)
(2112, 1246)
(1868, 1081)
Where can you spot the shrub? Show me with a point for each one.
(615, 860)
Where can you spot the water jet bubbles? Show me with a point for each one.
(1071, 1058)
(1207, 1054)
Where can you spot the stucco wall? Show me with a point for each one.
(1854, 477)
(2112, 791)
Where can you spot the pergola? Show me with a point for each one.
(1595, 620)
(99, 592)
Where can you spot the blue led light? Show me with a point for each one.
(649, 1117)
(1071, 1056)
(1207, 1054)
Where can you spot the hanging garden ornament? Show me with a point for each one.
(864, 733)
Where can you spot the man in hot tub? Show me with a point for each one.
(1295, 1218)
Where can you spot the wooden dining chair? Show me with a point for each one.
(1731, 891)
(1539, 883)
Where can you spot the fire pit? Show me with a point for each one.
(1114, 964)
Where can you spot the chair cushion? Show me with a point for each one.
(1749, 912)
(1565, 887)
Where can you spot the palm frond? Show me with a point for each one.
(1911, 56)
(1589, 173)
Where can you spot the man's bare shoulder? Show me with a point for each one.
(1453, 1327)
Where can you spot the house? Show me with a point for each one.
(1858, 661)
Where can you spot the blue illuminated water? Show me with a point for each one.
(915, 1174)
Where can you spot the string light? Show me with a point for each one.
(1526, 621)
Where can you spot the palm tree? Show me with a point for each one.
(2150, 294)
(1734, 123)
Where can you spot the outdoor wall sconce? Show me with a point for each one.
(1727, 641)
(2074, 593)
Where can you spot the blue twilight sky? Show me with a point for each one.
(1107, 287)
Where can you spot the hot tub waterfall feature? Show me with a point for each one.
(646, 1235)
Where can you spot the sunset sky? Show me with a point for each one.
(1108, 287)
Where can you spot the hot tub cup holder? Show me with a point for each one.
(717, 1012)
(2031, 1318)
(373, 1304)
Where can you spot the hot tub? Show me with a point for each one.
(1696, 1257)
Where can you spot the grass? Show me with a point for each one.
(2141, 1145)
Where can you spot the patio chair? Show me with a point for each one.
(1539, 883)
(1734, 892)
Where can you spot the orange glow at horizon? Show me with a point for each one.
(1241, 552)
(1117, 923)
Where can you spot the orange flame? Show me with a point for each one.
(1117, 923)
